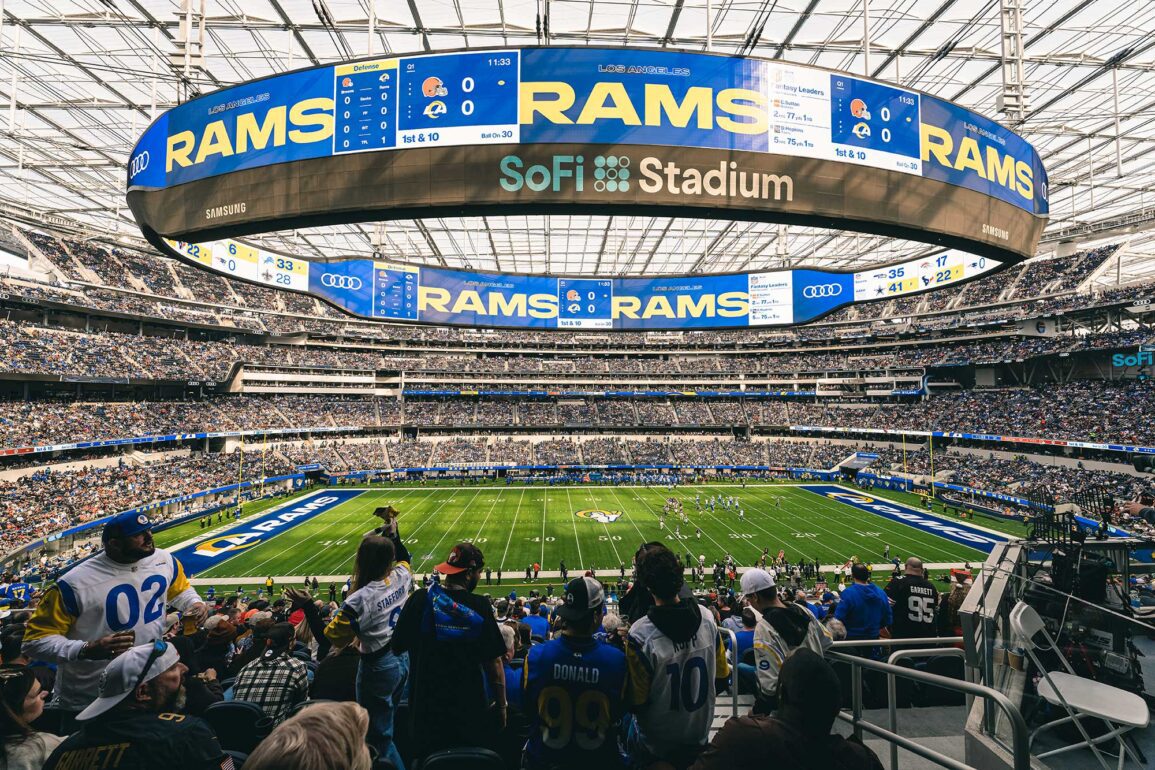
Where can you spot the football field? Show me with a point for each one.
(588, 526)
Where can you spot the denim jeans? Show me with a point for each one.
(380, 684)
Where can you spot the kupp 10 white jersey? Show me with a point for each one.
(674, 683)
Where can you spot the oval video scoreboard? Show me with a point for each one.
(573, 130)
(476, 131)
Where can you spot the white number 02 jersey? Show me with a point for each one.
(96, 598)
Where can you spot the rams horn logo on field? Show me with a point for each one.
(211, 547)
(600, 516)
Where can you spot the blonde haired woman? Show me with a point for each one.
(319, 737)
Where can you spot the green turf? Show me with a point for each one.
(516, 526)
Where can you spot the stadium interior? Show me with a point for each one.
(1017, 405)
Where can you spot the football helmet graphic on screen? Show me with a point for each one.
(433, 86)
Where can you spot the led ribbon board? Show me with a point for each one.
(399, 292)
(609, 131)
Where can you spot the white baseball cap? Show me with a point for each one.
(125, 673)
(755, 580)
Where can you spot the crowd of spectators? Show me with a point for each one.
(280, 674)
(1082, 410)
(557, 451)
(408, 454)
(49, 500)
(604, 451)
(649, 451)
(261, 309)
(453, 451)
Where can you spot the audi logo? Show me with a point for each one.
(138, 163)
(822, 290)
(334, 281)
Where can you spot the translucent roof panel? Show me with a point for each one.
(80, 80)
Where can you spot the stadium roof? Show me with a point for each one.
(80, 80)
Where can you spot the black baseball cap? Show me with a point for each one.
(463, 556)
(583, 596)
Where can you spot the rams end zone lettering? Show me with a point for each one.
(208, 553)
(957, 533)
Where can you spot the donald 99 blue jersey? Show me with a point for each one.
(574, 691)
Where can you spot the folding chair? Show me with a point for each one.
(1080, 697)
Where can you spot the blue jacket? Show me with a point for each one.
(864, 609)
(538, 626)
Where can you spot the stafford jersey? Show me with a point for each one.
(96, 598)
(573, 691)
(672, 684)
(371, 613)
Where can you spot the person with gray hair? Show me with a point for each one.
(319, 737)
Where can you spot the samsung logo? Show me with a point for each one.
(229, 210)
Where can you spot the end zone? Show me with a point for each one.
(208, 553)
(964, 534)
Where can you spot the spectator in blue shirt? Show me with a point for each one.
(537, 622)
(817, 610)
(864, 609)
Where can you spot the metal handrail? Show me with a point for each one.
(734, 668)
(1020, 746)
(892, 687)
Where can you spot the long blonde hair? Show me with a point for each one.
(320, 737)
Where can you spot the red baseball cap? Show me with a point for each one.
(463, 556)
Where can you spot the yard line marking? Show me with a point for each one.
(449, 528)
(512, 527)
(576, 537)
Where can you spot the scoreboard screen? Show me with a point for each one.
(401, 292)
(455, 99)
(586, 130)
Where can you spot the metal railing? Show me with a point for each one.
(733, 668)
(1020, 746)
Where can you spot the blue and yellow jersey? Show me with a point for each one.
(573, 691)
(96, 598)
(371, 613)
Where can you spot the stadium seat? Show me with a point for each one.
(932, 695)
(463, 758)
(305, 704)
(239, 725)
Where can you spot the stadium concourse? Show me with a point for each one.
(736, 380)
